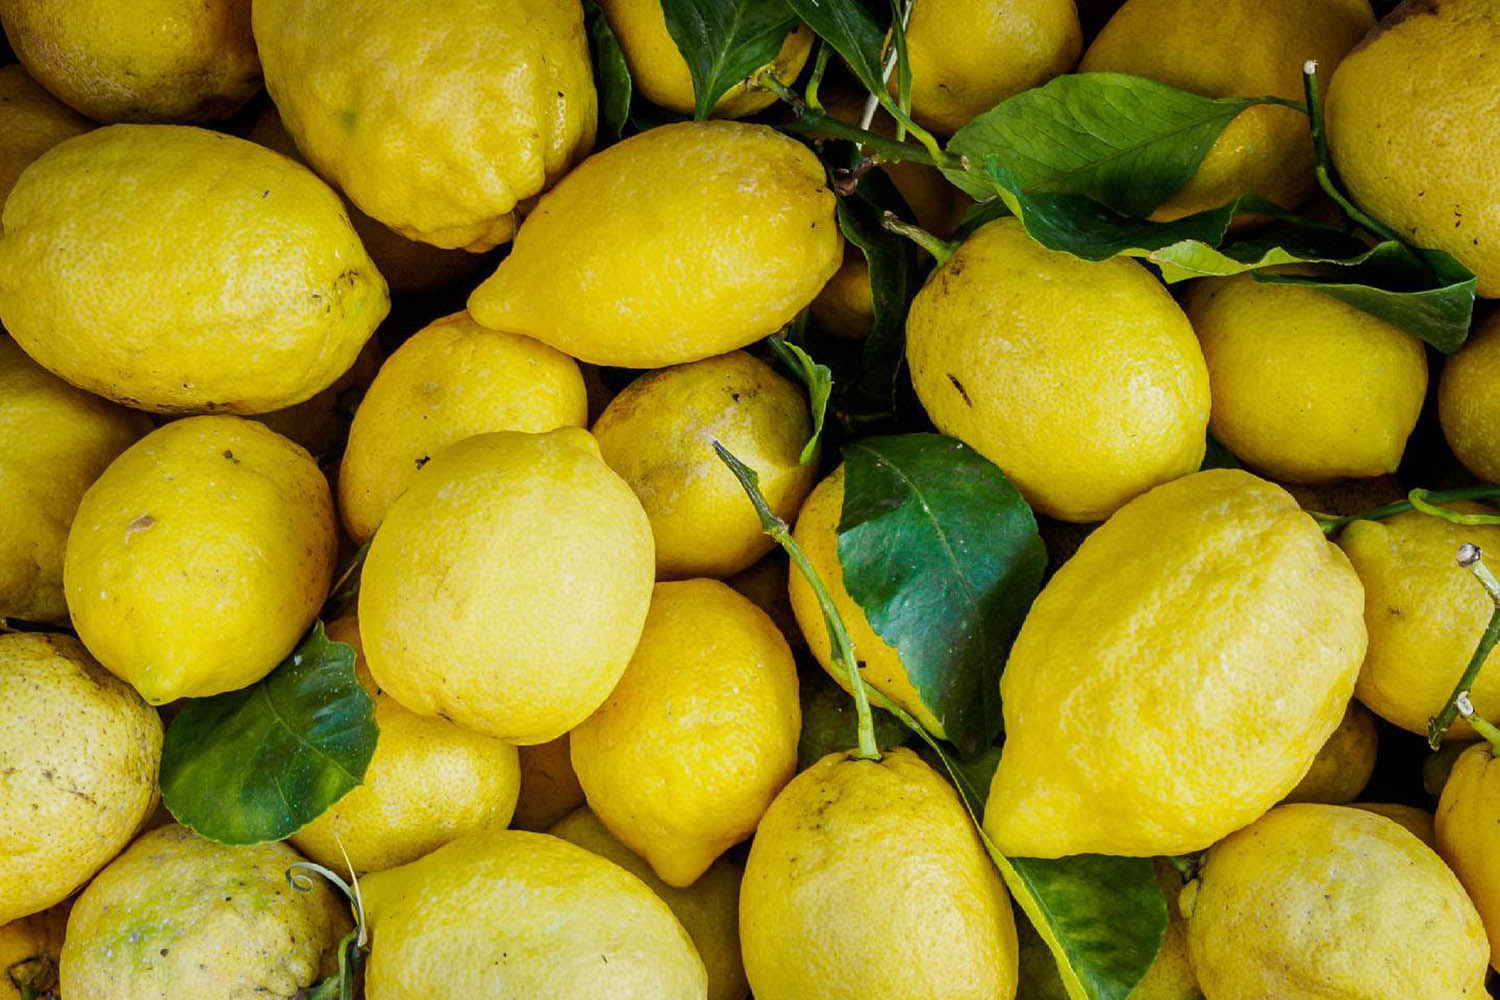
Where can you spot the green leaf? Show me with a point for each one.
(1216, 456)
(818, 381)
(260, 763)
(1125, 141)
(724, 41)
(943, 555)
(848, 27)
(611, 73)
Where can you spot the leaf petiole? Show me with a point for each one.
(1323, 165)
(814, 120)
(1458, 702)
(941, 250)
(1333, 525)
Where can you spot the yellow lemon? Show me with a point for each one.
(32, 121)
(866, 881)
(200, 557)
(1343, 767)
(29, 950)
(1468, 833)
(1236, 48)
(1082, 381)
(679, 243)
(1420, 822)
(507, 587)
(435, 119)
(510, 913)
(659, 435)
(1306, 388)
(1191, 658)
(451, 380)
(549, 786)
(1326, 901)
(178, 270)
(845, 306)
(699, 735)
(1467, 405)
(320, 423)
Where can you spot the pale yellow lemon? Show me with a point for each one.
(1467, 403)
(32, 121)
(1343, 766)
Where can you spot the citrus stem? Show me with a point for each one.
(838, 634)
(941, 250)
(1458, 702)
(891, 56)
(1333, 525)
(1323, 165)
(1420, 502)
(820, 66)
(810, 119)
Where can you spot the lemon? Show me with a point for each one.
(1192, 658)
(78, 757)
(1082, 381)
(1306, 388)
(866, 881)
(682, 242)
(709, 909)
(699, 735)
(1419, 822)
(880, 665)
(1326, 901)
(510, 913)
(1468, 833)
(661, 74)
(1343, 767)
(435, 119)
(507, 587)
(1424, 157)
(845, 307)
(146, 61)
(200, 557)
(57, 441)
(29, 950)
(549, 786)
(1466, 405)
(32, 121)
(1425, 614)
(429, 782)
(765, 583)
(1236, 48)
(659, 435)
(180, 916)
(178, 270)
(451, 380)
(967, 57)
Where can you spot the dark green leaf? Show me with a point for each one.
(903, 57)
(818, 381)
(853, 33)
(978, 214)
(942, 554)
(260, 763)
(1216, 456)
(611, 73)
(724, 41)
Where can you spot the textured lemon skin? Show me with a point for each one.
(1306, 388)
(1082, 381)
(845, 307)
(1327, 901)
(32, 121)
(514, 914)
(507, 587)
(78, 757)
(1425, 613)
(709, 909)
(659, 435)
(435, 119)
(1236, 48)
(1468, 833)
(179, 270)
(679, 243)
(917, 911)
(428, 782)
(881, 667)
(1467, 404)
(1412, 135)
(30, 947)
(145, 61)
(1419, 822)
(180, 916)
(1192, 657)
(700, 733)
(658, 70)
(200, 556)
(1343, 767)
(967, 57)
(58, 440)
(549, 787)
(451, 380)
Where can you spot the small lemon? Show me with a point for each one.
(1306, 388)
(1468, 833)
(79, 752)
(699, 735)
(659, 435)
(320, 423)
(428, 782)
(180, 270)
(682, 242)
(507, 587)
(451, 380)
(1192, 658)
(200, 557)
(32, 121)
(765, 583)
(1082, 381)
(866, 881)
(180, 916)
(549, 786)
(1467, 405)
(29, 950)
(509, 913)
(845, 306)
(1343, 767)
(1420, 822)
(709, 909)
(434, 118)
(1325, 901)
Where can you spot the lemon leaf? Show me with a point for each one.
(610, 71)
(816, 378)
(724, 41)
(848, 27)
(260, 763)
